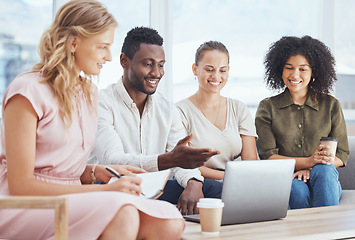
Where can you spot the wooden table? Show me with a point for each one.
(337, 222)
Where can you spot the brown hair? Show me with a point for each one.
(208, 46)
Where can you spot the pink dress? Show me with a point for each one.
(61, 157)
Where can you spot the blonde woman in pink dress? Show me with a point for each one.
(48, 131)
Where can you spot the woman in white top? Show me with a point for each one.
(216, 121)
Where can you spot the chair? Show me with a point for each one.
(347, 176)
(59, 204)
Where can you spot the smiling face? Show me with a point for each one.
(297, 74)
(212, 71)
(91, 53)
(145, 69)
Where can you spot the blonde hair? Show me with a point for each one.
(81, 18)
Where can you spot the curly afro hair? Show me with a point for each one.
(139, 35)
(317, 54)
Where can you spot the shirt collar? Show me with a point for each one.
(122, 92)
(286, 100)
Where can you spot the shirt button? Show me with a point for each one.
(299, 125)
(299, 145)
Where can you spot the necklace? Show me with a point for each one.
(219, 108)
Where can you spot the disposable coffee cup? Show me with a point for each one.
(210, 215)
(332, 142)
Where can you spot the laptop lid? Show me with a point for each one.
(256, 190)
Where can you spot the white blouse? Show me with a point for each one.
(228, 142)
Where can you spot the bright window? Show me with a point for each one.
(246, 28)
(128, 14)
(21, 26)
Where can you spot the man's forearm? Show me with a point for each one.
(164, 161)
(146, 162)
(184, 175)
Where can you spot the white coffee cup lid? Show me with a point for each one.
(210, 203)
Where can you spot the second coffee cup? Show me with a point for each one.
(210, 215)
(332, 142)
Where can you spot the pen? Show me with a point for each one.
(116, 174)
(113, 171)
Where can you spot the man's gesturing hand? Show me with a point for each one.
(184, 156)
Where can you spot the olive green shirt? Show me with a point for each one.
(292, 130)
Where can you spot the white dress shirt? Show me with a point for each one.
(228, 141)
(124, 137)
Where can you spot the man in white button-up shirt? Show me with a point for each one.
(143, 129)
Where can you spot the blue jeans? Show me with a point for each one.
(322, 188)
(173, 190)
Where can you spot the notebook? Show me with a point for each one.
(255, 191)
(152, 184)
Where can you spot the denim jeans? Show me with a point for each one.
(322, 188)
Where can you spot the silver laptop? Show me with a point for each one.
(255, 191)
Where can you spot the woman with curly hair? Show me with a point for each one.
(49, 129)
(290, 124)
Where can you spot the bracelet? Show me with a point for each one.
(93, 174)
